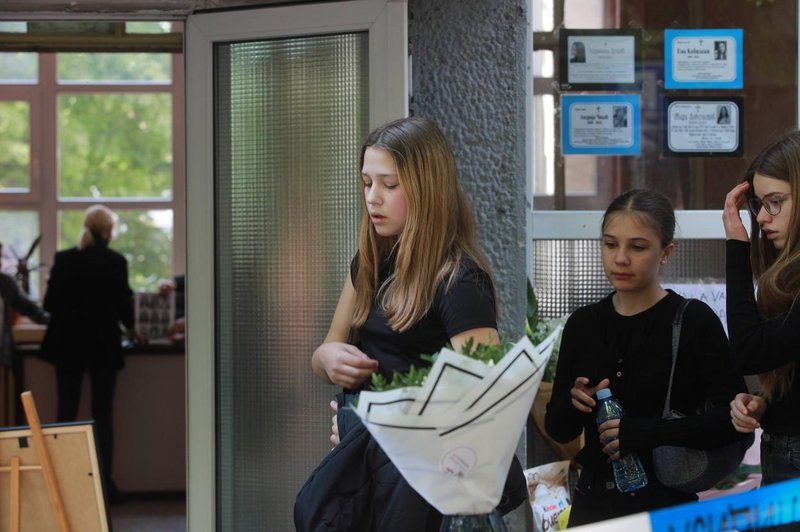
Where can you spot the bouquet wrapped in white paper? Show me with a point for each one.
(454, 437)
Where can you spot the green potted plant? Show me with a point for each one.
(538, 330)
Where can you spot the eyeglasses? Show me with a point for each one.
(771, 203)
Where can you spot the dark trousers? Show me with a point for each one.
(595, 501)
(780, 460)
(102, 382)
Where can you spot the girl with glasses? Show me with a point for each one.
(765, 329)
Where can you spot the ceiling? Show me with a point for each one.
(116, 9)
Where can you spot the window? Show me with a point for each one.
(79, 128)
(571, 192)
(590, 182)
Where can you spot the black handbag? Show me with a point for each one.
(684, 468)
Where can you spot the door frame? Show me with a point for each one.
(387, 24)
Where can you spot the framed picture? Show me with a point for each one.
(703, 126)
(600, 59)
(154, 315)
(703, 59)
(73, 454)
(603, 124)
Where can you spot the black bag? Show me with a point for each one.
(684, 468)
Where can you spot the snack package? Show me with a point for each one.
(548, 492)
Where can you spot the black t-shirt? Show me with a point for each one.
(469, 303)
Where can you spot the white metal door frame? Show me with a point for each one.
(386, 22)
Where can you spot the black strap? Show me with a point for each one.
(676, 338)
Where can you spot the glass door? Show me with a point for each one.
(279, 101)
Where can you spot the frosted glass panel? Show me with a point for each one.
(568, 274)
(290, 118)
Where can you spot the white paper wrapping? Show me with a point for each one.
(453, 439)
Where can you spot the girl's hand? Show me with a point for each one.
(734, 201)
(334, 423)
(609, 437)
(583, 396)
(346, 365)
(746, 412)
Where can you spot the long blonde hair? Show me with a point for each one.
(777, 271)
(98, 226)
(438, 234)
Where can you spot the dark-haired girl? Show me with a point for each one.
(624, 342)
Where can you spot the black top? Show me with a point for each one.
(88, 296)
(468, 304)
(635, 352)
(758, 344)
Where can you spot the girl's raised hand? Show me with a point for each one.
(583, 395)
(746, 412)
(734, 201)
(346, 365)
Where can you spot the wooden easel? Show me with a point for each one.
(45, 466)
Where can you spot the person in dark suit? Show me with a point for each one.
(88, 297)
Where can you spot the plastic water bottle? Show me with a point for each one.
(628, 471)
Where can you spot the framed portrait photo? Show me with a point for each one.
(703, 59)
(703, 126)
(602, 124)
(600, 59)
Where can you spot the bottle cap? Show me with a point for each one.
(605, 393)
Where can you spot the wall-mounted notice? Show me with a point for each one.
(600, 59)
(703, 126)
(703, 59)
(712, 294)
(600, 124)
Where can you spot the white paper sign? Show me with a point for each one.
(712, 294)
(704, 59)
(703, 126)
(601, 59)
(601, 124)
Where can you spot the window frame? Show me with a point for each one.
(43, 197)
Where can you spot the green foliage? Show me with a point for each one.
(488, 354)
(133, 162)
(413, 377)
(137, 67)
(14, 145)
(538, 330)
(19, 66)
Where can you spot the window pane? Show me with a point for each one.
(116, 67)
(544, 148)
(148, 27)
(543, 64)
(144, 237)
(19, 230)
(135, 161)
(542, 15)
(14, 27)
(584, 14)
(15, 149)
(18, 67)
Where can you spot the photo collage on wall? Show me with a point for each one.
(154, 316)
